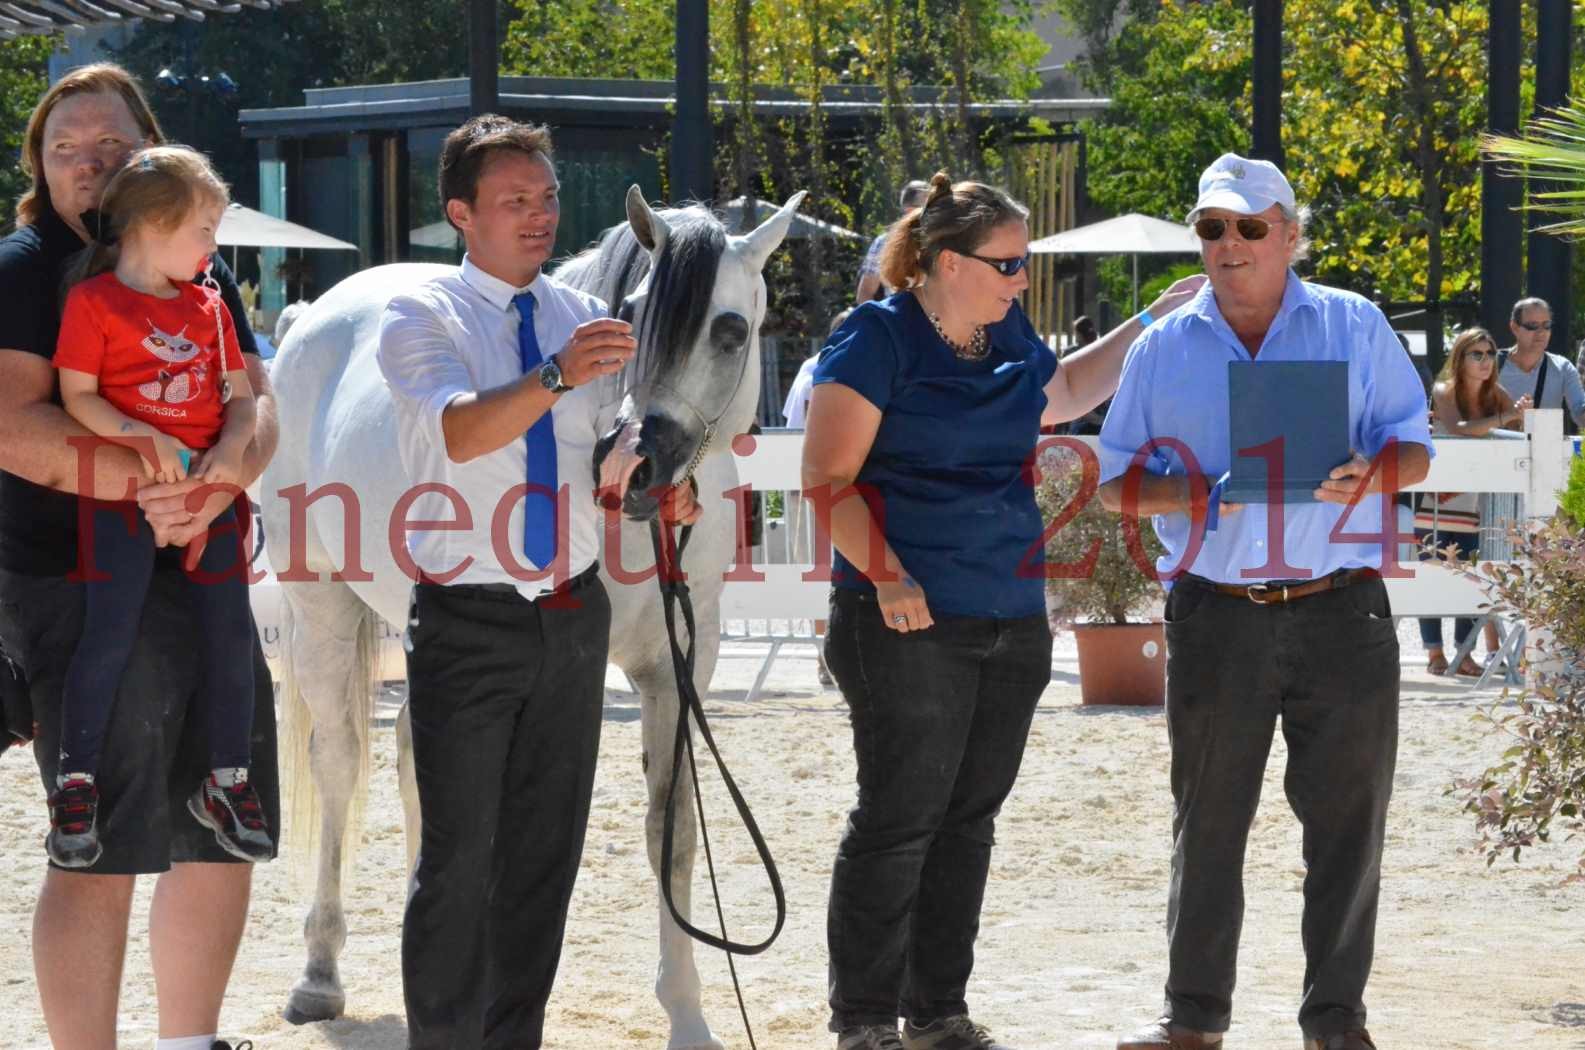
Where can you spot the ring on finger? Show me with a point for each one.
(899, 619)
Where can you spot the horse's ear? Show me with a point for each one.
(650, 229)
(768, 237)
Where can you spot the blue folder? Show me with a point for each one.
(1302, 403)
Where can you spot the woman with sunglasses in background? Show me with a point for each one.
(930, 402)
(1467, 401)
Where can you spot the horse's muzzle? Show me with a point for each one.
(639, 464)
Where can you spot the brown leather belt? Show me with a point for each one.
(1282, 593)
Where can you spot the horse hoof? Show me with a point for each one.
(710, 1042)
(306, 1007)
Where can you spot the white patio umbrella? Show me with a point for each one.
(439, 234)
(243, 227)
(1131, 234)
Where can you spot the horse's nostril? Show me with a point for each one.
(642, 475)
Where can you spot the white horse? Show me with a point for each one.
(696, 298)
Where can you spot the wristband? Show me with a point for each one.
(1145, 320)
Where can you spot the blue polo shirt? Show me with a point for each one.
(1174, 384)
(948, 475)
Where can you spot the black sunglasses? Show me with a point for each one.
(1536, 326)
(1005, 267)
(1250, 228)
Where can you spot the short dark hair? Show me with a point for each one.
(1532, 303)
(470, 147)
(913, 194)
(1084, 328)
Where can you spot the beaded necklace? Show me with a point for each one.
(976, 349)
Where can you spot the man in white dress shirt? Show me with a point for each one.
(509, 627)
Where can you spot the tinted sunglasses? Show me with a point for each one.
(1005, 267)
(1481, 355)
(1250, 228)
(1536, 326)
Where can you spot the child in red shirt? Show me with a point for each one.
(150, 360)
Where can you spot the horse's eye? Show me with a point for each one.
(728, 332)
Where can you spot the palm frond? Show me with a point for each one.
(1552, 151)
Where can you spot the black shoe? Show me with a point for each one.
(221, 1044)
(73, 841)
(233, 813)
(949, 1033)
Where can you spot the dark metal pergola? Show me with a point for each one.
(35, 17)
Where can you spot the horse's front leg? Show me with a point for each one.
(677, 983)
(325, 679)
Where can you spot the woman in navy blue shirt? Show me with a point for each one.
(928, 405)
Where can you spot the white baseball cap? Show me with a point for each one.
(1242, 185)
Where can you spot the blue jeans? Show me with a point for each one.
(939, 720)
(1468, 549)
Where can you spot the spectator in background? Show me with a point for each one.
(1083, 335)
(1549, 380)
(796, 408)
(1084, 332)
(871, 286)
(800, 527)
(1468, 402)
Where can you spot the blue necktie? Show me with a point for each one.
(539, 511)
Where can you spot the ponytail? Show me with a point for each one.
(899, 263)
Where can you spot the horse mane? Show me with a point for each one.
(680, 288)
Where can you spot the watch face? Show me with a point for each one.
(550, 377)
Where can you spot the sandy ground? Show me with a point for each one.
(1072, 943)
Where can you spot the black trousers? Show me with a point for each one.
(940, 718)
(160, 748)
(506, 698)
(117, 585)
(1327, 667)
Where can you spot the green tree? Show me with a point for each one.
(273, 55)
(632, 40)
(1179, 84)
(1382, 106)
(24, 67)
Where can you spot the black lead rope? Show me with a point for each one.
(674, 592)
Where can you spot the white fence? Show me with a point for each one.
(1533, 466)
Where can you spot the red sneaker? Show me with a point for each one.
(73, 841)
(233, 813)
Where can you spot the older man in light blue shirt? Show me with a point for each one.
(1265, 623)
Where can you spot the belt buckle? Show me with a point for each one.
(1264, 589)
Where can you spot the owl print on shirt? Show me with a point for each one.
(186, 385)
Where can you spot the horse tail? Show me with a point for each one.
(301, 804)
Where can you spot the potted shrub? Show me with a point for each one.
(1095, 585)
(1535, 792)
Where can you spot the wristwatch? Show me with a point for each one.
(550, 377)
